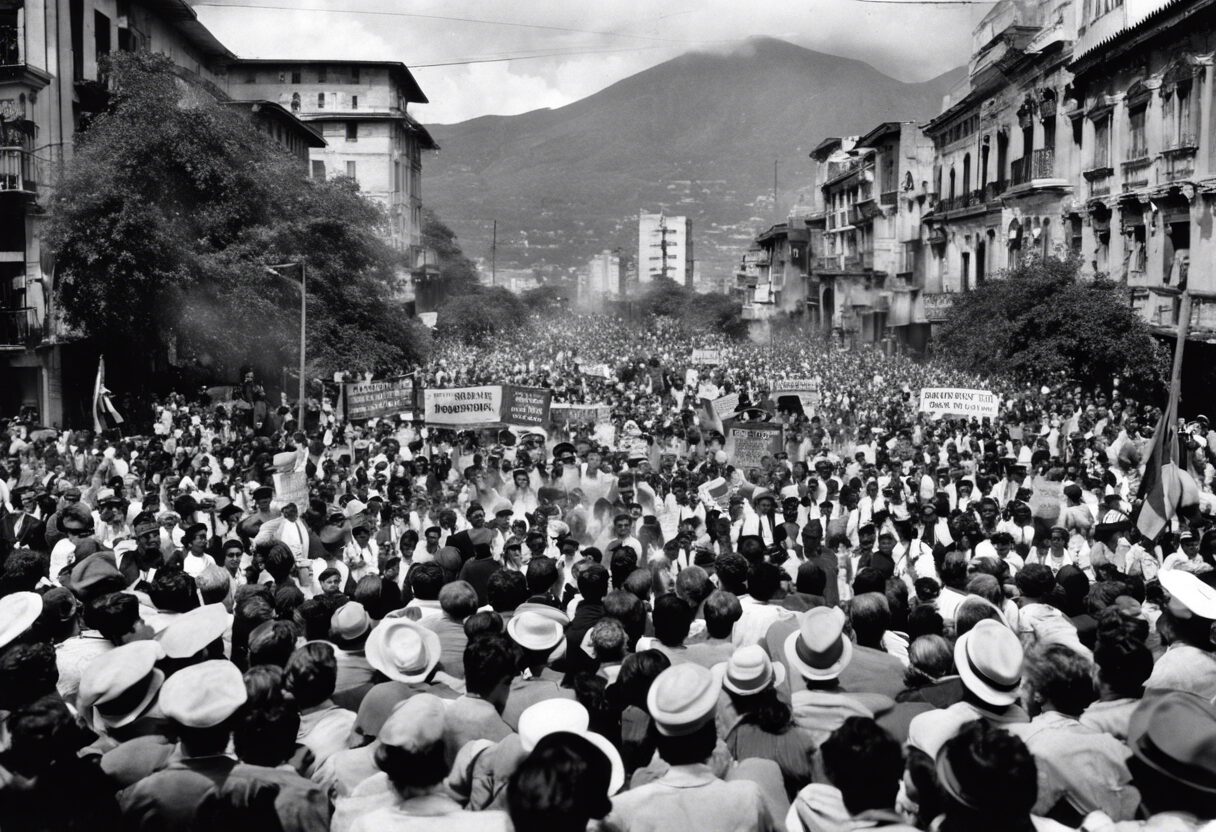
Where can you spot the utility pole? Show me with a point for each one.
(776, 209)
(494, 256)
(662, 244)
(303, 325)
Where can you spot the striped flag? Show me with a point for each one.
(105, 415)
(1167, 487)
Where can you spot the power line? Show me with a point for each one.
(448, 18)
(929, 2)
(529, 57)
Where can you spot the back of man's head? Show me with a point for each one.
(593, 583)
(629, 610)
(722, 610)
(458, 599)
(731, 570)
(542, 575)
(693, 585)
(489, 660)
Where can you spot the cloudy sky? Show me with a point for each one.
(563, 50)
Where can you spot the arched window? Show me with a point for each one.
(966, 174)
(951, 183)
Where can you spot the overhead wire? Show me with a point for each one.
(448, 18)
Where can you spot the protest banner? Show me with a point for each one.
(634, 447)
(958, 401)
(373, 399)
(747, 446)
(528, 406)
(291, 487)
(463, 407)
(707, 357)
(716, 492)
(726, 405)
(579, 414)
(1046, 499)
(598, 371)
(805, 389)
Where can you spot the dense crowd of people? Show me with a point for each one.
(893, 622)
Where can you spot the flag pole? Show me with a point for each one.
(1184, 329)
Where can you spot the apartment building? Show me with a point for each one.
(51, 82)
(1142, 103)
(665, 248)
(362, 111)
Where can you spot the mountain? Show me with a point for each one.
(696, 135)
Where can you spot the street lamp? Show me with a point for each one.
(303, 320)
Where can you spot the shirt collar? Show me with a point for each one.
(688, 777)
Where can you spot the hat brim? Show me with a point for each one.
(972, 681)
(103, 723)
(817, 674)
(677, 725)
(375, 654)
(535, 646)
(778, 678)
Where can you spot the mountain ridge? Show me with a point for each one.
(695, 135)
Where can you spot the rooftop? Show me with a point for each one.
(397, 70)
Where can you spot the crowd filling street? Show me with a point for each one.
(629, 617)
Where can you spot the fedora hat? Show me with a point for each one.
(1174, 733)
(819, 649)
(533, 631)
(549, 716)
(750, 671)
(119, 685)
(18, 612)
(349, 622)
(1189, 596)
(683, 698)
(403, 650)
(203, 695)
(988, 659)
(190, 632)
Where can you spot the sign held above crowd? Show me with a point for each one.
(707, 358)
(375, 399)
(959, 401)
(492, 405)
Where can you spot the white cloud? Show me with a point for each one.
(912, 44)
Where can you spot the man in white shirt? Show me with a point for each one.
(288, 529)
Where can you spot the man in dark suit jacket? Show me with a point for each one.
(21, 529)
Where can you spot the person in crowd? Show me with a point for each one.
(682, 701)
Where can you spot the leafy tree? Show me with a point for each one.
(1042, 320)
(477, 316)
(547, 296)
(703, 313)
(457, 273)
(168, 214)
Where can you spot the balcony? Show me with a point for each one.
(970, 199)
(993, 190)
(13, 66)
(1180, 158)
(888, 197)
(852, 263)
(18, 171)
(1137, 170)
(825, 263)
(19, 328)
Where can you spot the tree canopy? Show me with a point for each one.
(706, 313)
(1042, 320)
(480, 314)
(171, 209)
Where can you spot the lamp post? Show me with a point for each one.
(303, 322)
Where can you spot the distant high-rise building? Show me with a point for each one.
(665, 248)
(606, 274)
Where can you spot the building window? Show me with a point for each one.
(320, 101)
(355, 77)
(101, 35)
(1102, 142)
(350, 169)
(1137, 135)
(354, 102)
(352, 131)
(318, 169)
(295, 76)
(322, 74)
